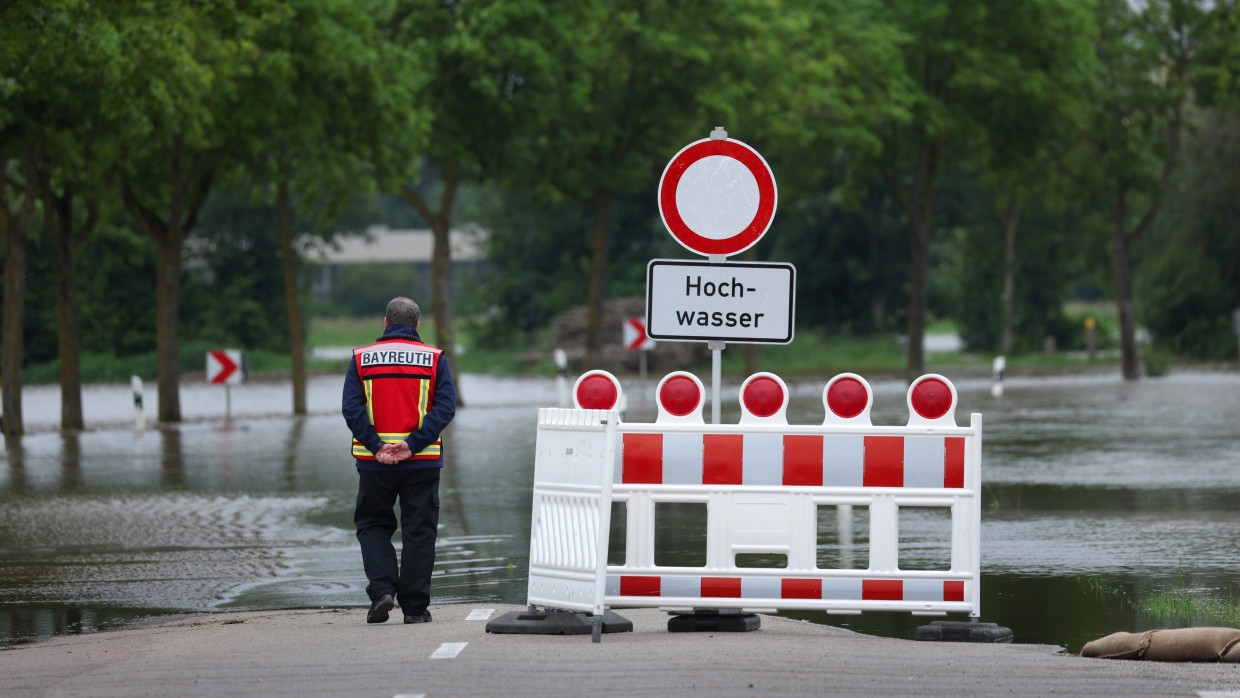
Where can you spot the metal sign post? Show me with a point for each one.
(716, 377)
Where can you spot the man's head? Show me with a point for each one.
(402, 311)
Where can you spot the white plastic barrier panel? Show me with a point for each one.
(571, 512)
(765, 485)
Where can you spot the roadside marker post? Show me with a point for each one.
(636, 339)
(139, 416)
(226, 367)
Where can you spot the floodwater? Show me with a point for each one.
(1097, 494)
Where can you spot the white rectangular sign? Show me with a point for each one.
(739, 302)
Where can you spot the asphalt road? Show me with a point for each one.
(335, 652)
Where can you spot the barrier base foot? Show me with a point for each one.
(963, 631)
(706, 621)
(553, 622)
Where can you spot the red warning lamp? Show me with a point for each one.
(931, 398)
(763, 396)
(597, 390)
(679, 395)
(847, 398)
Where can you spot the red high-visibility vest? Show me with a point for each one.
(398, 379)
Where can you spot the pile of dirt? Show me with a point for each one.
(569, 334)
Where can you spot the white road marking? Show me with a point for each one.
(409, 695)
(480, 614)
(448, 650)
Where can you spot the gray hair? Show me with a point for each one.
(402, 311)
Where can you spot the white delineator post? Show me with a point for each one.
(139, 415)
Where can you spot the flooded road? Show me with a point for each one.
(1098, 494)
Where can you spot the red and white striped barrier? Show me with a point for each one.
(762, 482)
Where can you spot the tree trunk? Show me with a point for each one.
(1010, 220)
(66, 238)
(167, 312)
(14, 339)
(292, 299)
(14, 222)
(58, 221)
(601, 244)
(1121, 267)
(440, 222)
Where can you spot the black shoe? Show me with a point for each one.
(425, 617)
(378, 612)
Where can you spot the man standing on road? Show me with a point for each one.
(398, 398)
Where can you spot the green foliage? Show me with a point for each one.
(851, 260)
(116, 272)
(363, 290)
(229, 295)
(826, 353)
(1047, 260)
(1046, 106)
(1190, 286)
(1218, 71)
(1195, 606)
(1179, 604)
(331, 102)
(345, 332)
(540, 260)
(479, 59)
(97, 368)
(39, 319)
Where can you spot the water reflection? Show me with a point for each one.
(1097, 493)
(15, 456)
(72, 460)
(290, 454)
(172, 458)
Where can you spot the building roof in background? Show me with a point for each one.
(380, 244)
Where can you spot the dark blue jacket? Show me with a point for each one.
(353, 407)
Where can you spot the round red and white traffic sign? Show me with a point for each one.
(717, 197)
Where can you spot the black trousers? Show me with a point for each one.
(418, 494)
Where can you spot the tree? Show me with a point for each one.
(631, 83)
(332, 104)
(31, 63)
(1133, 136)
(838, 79)
(180, 81)
(965, 66)
(1024, 143)
(983, 267)
(1190, 288)
(74, 175)
(479, 56)
(21, 184)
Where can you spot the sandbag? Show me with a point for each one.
(1118, 646)
(1233, 654)
(1173, 645)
